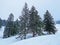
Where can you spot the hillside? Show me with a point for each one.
(40, 40)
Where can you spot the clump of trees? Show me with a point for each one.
(29, 22)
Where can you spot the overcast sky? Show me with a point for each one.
(15, 7)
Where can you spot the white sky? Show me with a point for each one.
(15, 7)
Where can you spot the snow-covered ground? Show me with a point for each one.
(40, 40)
(1, 32)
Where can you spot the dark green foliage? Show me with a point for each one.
(49, 23)
(35, 22)
(10, 27)
(24, 21)
(16, 26)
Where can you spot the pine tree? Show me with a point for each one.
(16, 26)
(9, 28)
(49, 23)
(35, 22)
(0, 22)
(24, 21)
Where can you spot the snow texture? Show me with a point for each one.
(40, 40)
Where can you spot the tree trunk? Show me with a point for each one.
(34, 34)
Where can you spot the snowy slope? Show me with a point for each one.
(6, 41)
(43, 40)
(40, 40)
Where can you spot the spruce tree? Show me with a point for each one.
(35, 22)
(24, 21)
(16, 26)
(49, 23)
(9, 28)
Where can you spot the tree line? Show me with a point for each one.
(29, 22)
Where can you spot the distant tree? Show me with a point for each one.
(35, 22)
(24, 21)
(49, 23)
(9, 28)
(0, 22)
(4, 22)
